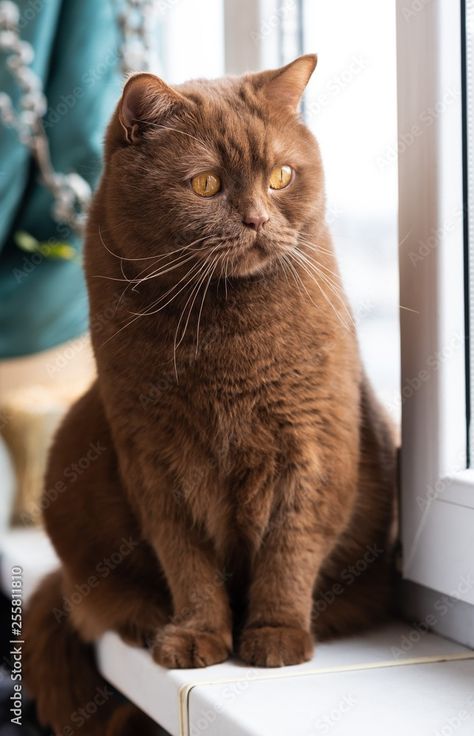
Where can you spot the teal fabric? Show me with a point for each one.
(43, 301)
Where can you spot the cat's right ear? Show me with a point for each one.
(146, 101)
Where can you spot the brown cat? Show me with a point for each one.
(243, 473)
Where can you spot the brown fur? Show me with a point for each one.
(253, 467)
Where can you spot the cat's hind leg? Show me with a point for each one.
(60, 672)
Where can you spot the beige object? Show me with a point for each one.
(36, 392)
(71, 362)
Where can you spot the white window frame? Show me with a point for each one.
(437, 488)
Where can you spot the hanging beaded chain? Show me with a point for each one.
(71, 193)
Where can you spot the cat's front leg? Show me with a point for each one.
(200, 633)
(278, 626)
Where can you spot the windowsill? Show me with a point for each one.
(410, 681)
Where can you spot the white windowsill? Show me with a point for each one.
(354, 685)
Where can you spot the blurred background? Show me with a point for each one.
(62, 66)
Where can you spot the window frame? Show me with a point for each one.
(437, 487)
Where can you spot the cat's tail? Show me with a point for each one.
(60, 673)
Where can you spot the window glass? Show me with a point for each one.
(351, 107)
(191, 39)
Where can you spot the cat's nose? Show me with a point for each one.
(255, 219)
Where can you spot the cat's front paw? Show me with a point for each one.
(275, 646)
(180, 647)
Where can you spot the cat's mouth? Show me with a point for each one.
(246, 253)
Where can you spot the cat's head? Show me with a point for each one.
(218, 171)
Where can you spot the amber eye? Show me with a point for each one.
(280, 177)
(206, 184)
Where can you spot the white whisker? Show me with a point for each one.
(116, 255)
(335, 288)
(297, 256)
(216, 260)
(174, 130)
(201, 275)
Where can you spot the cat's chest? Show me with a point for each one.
(242, 395)
(244, 425)
(242, 405)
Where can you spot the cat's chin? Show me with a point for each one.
(253, 261)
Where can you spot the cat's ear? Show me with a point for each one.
(146, 100)
(284, 87)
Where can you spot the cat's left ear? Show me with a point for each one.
(284, 87)
(147, 100)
